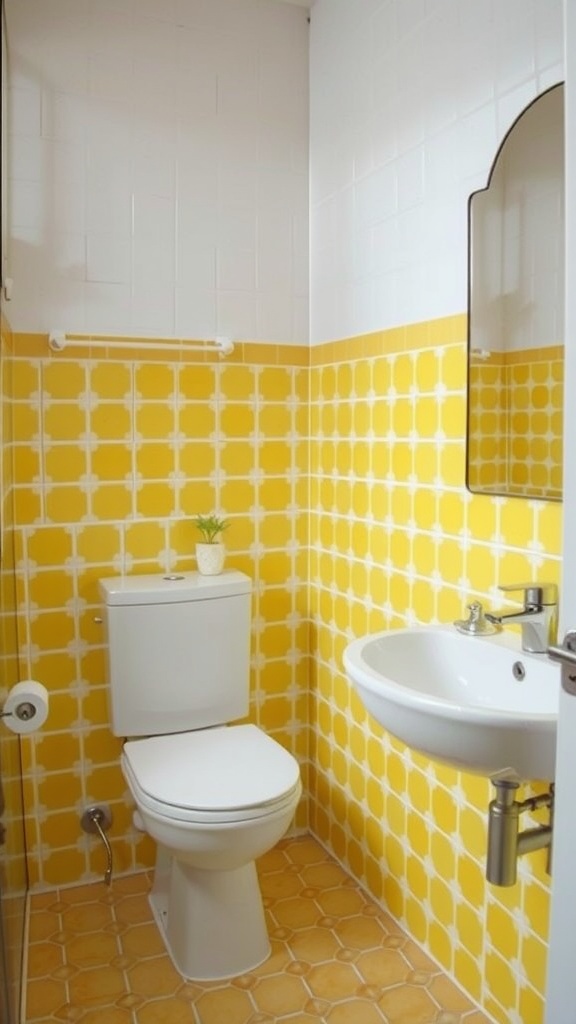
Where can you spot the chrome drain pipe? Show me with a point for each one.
(505, 841)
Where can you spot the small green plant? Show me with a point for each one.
(211, 527)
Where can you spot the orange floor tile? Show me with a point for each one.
(95, 956)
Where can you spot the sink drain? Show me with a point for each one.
(518, 670)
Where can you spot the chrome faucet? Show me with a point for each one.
(538, 617)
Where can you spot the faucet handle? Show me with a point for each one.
(534, 593)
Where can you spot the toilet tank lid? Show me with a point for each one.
(171, 588)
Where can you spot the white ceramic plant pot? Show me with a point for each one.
(210, 558)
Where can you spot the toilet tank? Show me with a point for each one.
(178, 650)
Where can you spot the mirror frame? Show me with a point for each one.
(498, 491)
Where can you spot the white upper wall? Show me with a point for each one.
(158, 166)
(409, 102)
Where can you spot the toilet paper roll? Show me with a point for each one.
(26, 706)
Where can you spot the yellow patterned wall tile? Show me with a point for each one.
(196, 458)
(237, 421)
(450, 561)
(56, 752)
(155, 500)
(238, 459)
(63, 863)
(515, 566)
(402, 410)
(501, 930)
(275, 494)
(198, 382)
(51, 589)
(110, 380)
(25, 379)
(537, 908)
(440, 939)
(98, 543)
(153, 420)
(152, 382)
(60, 829)
(105, 782)
(482, 517)
(60, 790)
(197, 421)
(481, 568)
(468, 971)
(531, 1005)
(26, 465)
(95, 703)
(63, 380)
(87, 577)
(66, 504)
(153, 459)
(239, 382)
(388, 511)
(88, 629)
(57, 670)
(63, 422)
(111, 421)
(451, 464)
(26, 421)
(51, 629)
(64, 462)
(500, 979)
(112, 501)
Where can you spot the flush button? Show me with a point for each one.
(173, 577)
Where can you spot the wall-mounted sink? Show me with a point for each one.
(478, 703)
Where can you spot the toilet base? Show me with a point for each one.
(212, 922)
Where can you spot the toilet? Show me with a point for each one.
(213, 795)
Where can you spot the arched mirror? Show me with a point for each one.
(516, 311)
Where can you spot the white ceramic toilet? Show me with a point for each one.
(214, 796)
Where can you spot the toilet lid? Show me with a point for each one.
(213, 770)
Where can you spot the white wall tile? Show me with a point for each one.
(153, 260)
(236, 314)
(170, 128)
(195, 311)
(235, 269)
(108, 206)
(425, 101)
(28, 204)
(154, 155)
(153, 311)
(25, 111)
(108, 258)
(66, 207)
(196, 266)
(110, 75)
(108, 308)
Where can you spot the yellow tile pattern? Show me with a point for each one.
(515, 418)
(397, 539)
(113, 458)
(394, 538)
(95, 955)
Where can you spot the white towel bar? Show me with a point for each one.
(59, 340)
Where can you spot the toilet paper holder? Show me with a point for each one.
(25, 707)
(24, 711)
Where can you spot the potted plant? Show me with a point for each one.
(210, 552)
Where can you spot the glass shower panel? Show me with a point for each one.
(13, 874)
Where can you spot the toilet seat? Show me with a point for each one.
(219, 775)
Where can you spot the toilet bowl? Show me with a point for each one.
(214, 800)
(214, 794)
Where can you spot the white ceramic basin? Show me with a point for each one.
(457, 698)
